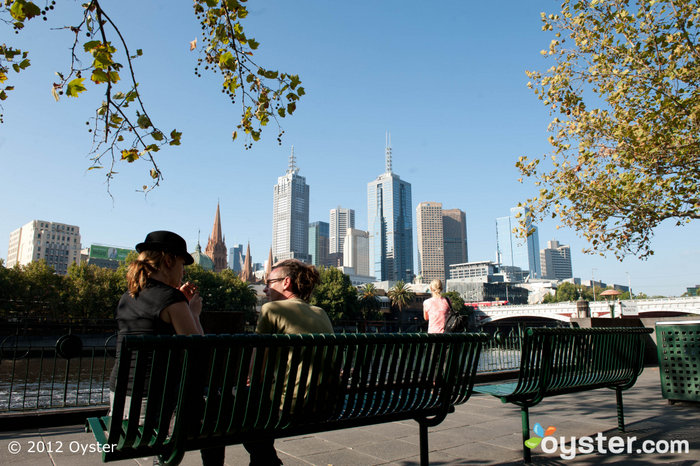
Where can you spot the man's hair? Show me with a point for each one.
(304, 277)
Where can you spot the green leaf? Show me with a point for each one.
(130, 155)
(75, 87)
(3, 95)
(139, 52)
(99, 76)
(175, 138)
(91, 45)
(24, 63)
(143, 121)
(154, 173)
(227, 61)
(253, 44)
(291, 106)
(281, 112)
(157, 135)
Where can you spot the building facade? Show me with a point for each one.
(236, 258)
(390, 223)
(318, 243)
(454, 229)
(216, 246)
(555, 261)
(56, 243)
(356, 251)
(290, 216)
(340, 220)
(512, 250)
(431, 244)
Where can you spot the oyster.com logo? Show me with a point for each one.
(540, 433)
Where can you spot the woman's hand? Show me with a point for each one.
(189, 289)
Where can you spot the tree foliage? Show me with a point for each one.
(88, 291)
(223, 291)
(623, 90)
(335, 294)
(456, 301)
(368, 299)
(400, 295)
(122, 128)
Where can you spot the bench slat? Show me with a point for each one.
(204, 391)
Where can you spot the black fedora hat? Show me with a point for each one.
(166, 241)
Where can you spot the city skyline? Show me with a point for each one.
(457, 105)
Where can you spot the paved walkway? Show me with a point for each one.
(482, 431)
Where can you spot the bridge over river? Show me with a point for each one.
(564, 312)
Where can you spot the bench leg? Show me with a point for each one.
(526, 433)
(423, 444)
(620, 412)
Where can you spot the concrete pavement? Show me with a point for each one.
(482, 431)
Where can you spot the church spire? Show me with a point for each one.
(247, 272)
(216, 246)
(216, 231)
(388, 152)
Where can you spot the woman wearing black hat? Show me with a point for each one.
(156, 302)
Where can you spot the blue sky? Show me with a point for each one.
(447, 79)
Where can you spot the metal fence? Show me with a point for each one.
(47, 372)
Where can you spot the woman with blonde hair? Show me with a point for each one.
(436, 309)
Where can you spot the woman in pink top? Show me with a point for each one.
(436, 309)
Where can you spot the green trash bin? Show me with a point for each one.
(678, 346)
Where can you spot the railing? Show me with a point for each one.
(36, 375)
(44, 372)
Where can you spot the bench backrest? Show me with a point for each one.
(234, 387)
(561, 360)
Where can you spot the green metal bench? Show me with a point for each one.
(215, 390)
(555, 361)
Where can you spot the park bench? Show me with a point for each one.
(228, 389)
(555, 361)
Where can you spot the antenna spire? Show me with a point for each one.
(388, 152)
(292, 163)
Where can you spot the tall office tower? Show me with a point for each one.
(341, 220)
(290, 215)
(555, 261)
(454, 229)
(431, 245)
(216, 246)
(512, 250)
(57, 243)
(390, 224)
(356, 251)
(318, 243)
(235, 258)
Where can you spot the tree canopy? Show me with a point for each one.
(335, 294)
(623, 90)
(122, 128)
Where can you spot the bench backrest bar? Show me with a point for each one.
(228, 388)
(559, 360)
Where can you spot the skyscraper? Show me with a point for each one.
(390, 224)
(235, 258)
(318, 243)
(216, 246)
(57, 243)
(356, 251)
(555, 261)
(512, 250)
(431, 245)
(454, 228)
(340, 220)
(290, 215)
